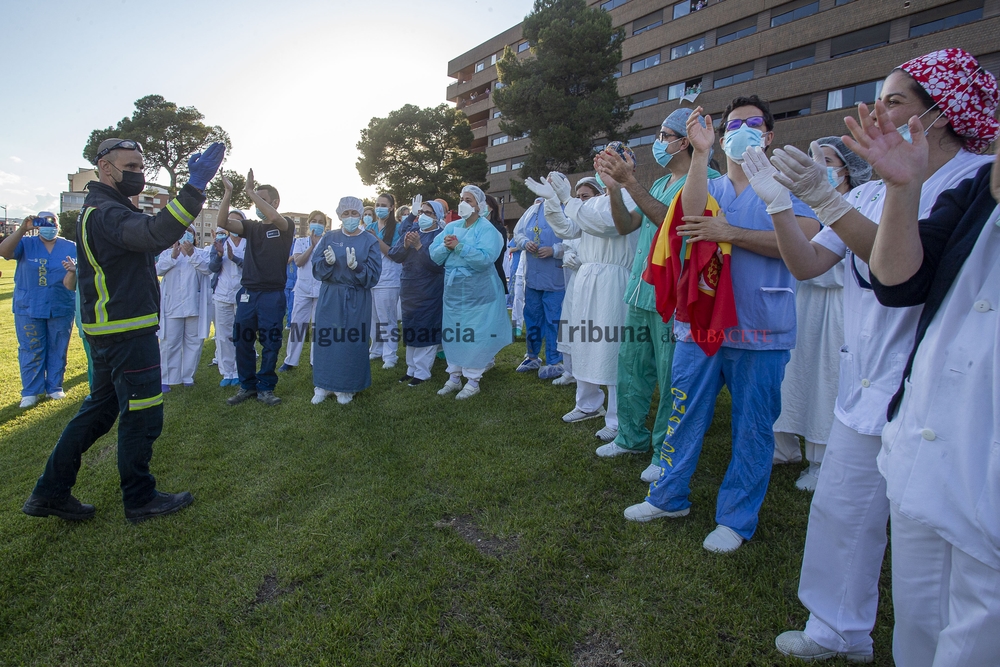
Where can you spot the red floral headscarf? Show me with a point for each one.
(964, 91)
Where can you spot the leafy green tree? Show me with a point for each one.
(420, 151)
(567, 94)
(239, 198)
(67, 225)
(169, 135)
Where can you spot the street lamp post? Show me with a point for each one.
(4, 207)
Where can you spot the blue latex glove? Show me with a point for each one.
(202, 166)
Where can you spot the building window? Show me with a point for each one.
(793, 11)
(647, 22)
(682, 9)
(497, 113)
(793, 59)
(686, 49)
(947, 16)
(853, 95)
(860, 40)
(792, 108)
(618, 72)
(502, 139)
(611, 4)
(497, 168)
(644, 140)
(523, 46)
(480, 67)
(645, 63)
(516, 166)
(684, 89)
(736, 30)
(731, 75)
(493, 59)
(643, 100)
(599, 147)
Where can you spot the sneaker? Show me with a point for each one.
(808, 479)
(161, 505)
(164, 388)
(415, 382)
(344, 397)
(284, 368)
(798, 644)
(242, 395)
(449, 387)
(268, 398)
(529, 364)
(651, 473)
(57, 395)
(406, 378)
(550, 372)
(388, 365)
(607, 434)
(611, 449)
(28, 401)
(578, 415)
(468, 391)
(518, 332)
(69, 508)
(319, 395)
(722, 540)
(564, 379)
(644, 512)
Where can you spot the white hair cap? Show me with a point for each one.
(350, 204)
(478, 193)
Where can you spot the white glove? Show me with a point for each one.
(561, 185)
(761, 173)
(352, 258)
(415, 205)
(806, 178)
(571, 260)
(328, 255)
(542, 189)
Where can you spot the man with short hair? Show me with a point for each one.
(119, 307)
(260, 303)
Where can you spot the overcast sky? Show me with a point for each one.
(293, 82)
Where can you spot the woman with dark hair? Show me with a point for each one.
(385, 295)
(497, 221)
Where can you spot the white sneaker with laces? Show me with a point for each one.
(612, 449)
(809, 478)
(319, 395)
(28, 401)
(722, 540)
(344, 397)
(468, 391)
(449, 387)
(607, 434)
(57, 395)
(644, 512)
(577, 415)
(651, 473)
(798, 644)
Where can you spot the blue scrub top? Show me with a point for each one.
(543, 273)
(38, 279)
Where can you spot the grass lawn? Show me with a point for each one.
(401, 529)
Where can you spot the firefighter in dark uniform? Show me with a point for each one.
(119, 306)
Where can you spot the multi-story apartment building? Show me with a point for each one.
(814, 60)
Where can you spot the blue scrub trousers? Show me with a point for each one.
(127, 389)
(41, 352)
(259, 316)
(542, 312)
(754, 381)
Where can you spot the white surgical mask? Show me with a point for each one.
(465, 210)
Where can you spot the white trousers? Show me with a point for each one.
(845, 543)
(473, 374)
(517, 311)
(946, 603)
(385, 323)
(568, 366)
(590, 397)
(787, 450)
(419, 361)
(225, 350)
(303, 314)
(180, 350)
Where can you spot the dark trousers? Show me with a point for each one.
(126, 387)
(259, 316)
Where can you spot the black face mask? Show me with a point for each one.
(132, 183)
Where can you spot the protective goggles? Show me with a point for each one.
(753, 122)
(126, 145)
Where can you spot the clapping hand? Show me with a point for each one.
(249, 187)
(415, 204)
(411, 240)
(69, 264)
(561, 185)
(701, 136)
(352, 258)
(761, 173)
(329, 257)
(187, 248)
(203, 166)
(541, 188)
(176, 250)
(450, 241)
(896, 161)
(227, 185)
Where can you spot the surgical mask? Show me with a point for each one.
(351, 224)
(660, 152)
(381, 212)
(187, 238)
(832, 176)
(316, 229)
(368, 220)
(904, 129)
(426, 222)
(465, 210)
(47, 233)
(600, 181)
(738, 141)
(259, 213)
(221, 236)
(132, 183)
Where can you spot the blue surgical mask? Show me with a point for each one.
(187, 238)
(661, 153)
(904, 129)
(382, 212)
(351, 224)
(316, 229)
(221, 236)
(259, 213)
(834, 178)
(426, 222)
(368, 220)
(600, 180)
(47, 233)
(736, 143)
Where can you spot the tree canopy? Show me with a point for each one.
(169, 135)
(565, 96)
(239, 198)
(67, 224)
(420, 151)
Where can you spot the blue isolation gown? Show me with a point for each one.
(421, 287)
(344, 311)
(475, 325)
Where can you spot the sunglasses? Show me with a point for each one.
(126, 145)
(753, 122)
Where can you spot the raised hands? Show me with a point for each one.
(329, 257)
(352, 258)
(761, 173)
(561, 185)
(541, 188)
(202, 166)
(250, 185)
(701, 137)
(883, 147)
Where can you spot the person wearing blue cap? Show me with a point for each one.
(43, 306)
(644, 362)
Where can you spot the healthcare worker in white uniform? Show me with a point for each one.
(306, 291)
(185, 309)
(846, 536)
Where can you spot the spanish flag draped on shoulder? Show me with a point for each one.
(698, 288)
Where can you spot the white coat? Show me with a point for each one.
(186, 288)
(231, 274)
(305, 282)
